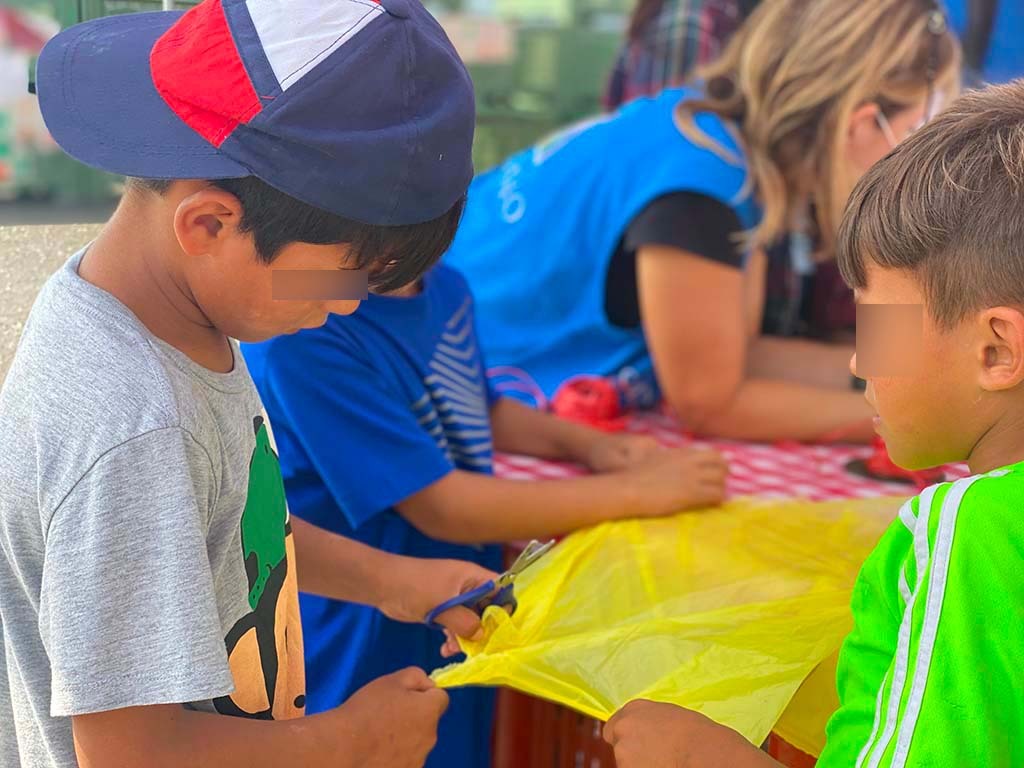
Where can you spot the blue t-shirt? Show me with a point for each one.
(540, 231)
(367, 411)
(1004, 60)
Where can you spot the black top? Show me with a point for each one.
(689, 221)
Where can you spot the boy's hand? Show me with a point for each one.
(611, 453)
(416, 587)
(676, 479)
(392, 722)
(649, 735)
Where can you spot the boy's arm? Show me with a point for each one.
(131, 622)
(468, 507)
(649, 735)
(517, 428)
(403, 588)
(391, 723)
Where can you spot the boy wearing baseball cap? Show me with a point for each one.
(304, 151)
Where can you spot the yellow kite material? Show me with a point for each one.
(725, 612)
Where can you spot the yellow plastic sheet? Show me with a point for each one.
(803, 723)
(725, 612)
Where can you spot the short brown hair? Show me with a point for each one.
(947, 205)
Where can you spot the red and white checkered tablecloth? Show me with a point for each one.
(813, 472)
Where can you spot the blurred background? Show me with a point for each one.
(536, 64)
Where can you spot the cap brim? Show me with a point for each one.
(100, 105)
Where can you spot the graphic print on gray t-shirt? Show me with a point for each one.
(145, 547)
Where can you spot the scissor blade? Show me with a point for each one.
(528, 550)
(534, 552)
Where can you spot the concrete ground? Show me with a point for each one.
(29, 255)
(13, 214)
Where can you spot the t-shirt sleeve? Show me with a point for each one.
(688, 221)
(128, 611)
(361, 434)
(950, 693)
(691, 222)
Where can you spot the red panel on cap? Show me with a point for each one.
(198, 71)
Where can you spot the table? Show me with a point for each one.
(533, 733)
(780, 471)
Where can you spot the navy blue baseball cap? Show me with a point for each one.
(358, 107)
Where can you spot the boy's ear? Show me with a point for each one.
(1003, 349)
(205, 219)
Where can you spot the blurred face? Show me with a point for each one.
(922, 381)
(242, 296)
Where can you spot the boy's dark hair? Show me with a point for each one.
(394, 256)
(947, 205)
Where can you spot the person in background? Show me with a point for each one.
(666, 40)
(596, 253)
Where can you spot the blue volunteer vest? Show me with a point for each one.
(539, 232)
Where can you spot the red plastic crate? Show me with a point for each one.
(535, 733)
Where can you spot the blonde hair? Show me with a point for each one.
(790, 81)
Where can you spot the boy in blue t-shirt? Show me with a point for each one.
(385, 425)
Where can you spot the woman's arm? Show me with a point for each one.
(696, 322)
(801, 361)
(764, 411)
(755, 274)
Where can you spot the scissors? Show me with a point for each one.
(499, 591)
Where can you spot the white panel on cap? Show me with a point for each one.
(299, 34)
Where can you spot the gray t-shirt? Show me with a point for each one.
(146, 548)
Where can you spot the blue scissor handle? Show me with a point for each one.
(477, 600)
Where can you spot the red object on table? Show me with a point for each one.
(590, 400)
(879, 466)
(537, 734)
